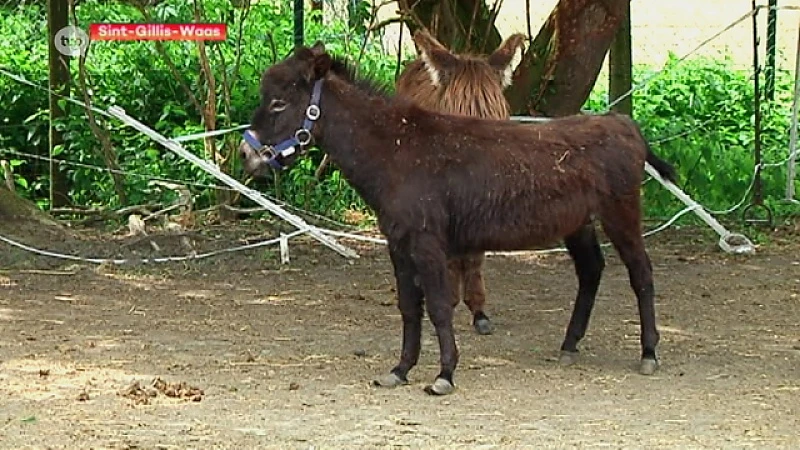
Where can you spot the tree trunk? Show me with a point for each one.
(462, 25)
(560, 67)
(57, 18)
(16, 212)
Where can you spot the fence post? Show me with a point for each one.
(620, 66)
(791, 165)
(299, 37)
(769, 70)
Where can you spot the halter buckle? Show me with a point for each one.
(313, 112)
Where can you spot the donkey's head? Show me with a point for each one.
(460, 84)
(283, 124)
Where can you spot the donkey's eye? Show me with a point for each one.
(277, 106)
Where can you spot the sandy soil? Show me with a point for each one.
(241, 352)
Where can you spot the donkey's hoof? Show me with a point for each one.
(483, 325)
(389, 380)
(568, 358)
(440, 387)
(648, 366)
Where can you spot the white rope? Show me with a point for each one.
(148, 260)
(181, 182)
(729, 242)
(190, 137)
(215, 171)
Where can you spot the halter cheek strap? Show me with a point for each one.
(302, 137)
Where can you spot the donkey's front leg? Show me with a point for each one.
(430, 260)
(409, 301)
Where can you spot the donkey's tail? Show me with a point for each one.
(663, 168)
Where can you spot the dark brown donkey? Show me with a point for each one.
(466, 85)
(446, 186)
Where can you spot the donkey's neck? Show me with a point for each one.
(351, 133)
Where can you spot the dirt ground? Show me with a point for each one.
(240, 352)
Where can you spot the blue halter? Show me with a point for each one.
(301, 138)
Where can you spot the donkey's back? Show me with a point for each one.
(508, 186)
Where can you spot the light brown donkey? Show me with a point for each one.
(466, 85)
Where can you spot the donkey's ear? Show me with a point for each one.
(321, 66)
(507, 56)
(318, 48)
(302, 52)
(435, 56)
(425, 41)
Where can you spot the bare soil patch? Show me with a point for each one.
(238, 351)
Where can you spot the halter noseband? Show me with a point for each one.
(301, 138)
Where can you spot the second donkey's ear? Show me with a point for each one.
(507, 56)
(318, 48)
(437, 59)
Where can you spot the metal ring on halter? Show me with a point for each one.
(303, 136)
(313, 112)
(267, 151)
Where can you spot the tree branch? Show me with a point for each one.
(173, 69)
(8, 175)
(108, 153)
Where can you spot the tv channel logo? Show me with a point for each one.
(71, 41)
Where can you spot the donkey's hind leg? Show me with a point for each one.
(589, 263)
(622, 224)
(475, 292)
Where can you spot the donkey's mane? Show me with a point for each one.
(348, 71)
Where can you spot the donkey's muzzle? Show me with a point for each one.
(255, 162)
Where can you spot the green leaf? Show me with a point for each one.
(22, 182)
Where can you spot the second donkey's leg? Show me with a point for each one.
(455, 271)
(589, 263)
(475, 292)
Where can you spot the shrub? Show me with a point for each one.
(699, 115)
